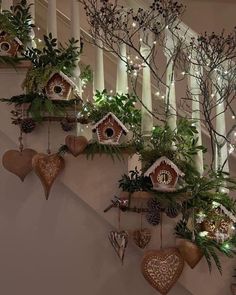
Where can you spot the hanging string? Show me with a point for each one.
(161, 231)
(193, 232)
(21, 146)
(49, 136)
(141, 218)
(76, 123)
(119, 218)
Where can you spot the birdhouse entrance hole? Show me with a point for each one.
(5, 46)
(109, 132)
(57, 89)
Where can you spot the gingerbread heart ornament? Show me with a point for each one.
(162, 268)
(191, 253)
(47, 167)
(119, 241)
(19, 162)
(76, 144)
(142, 237)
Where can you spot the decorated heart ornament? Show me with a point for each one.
(19, 162)
(119, 241)
(142, 237)
(190, 252)
(47, 167)
(76, 144)
(162, 268)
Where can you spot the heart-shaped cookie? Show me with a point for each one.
(162, 268)
(119, 241)
(190, 252)
(76, 144)
(47, 167)
(142, 237)
(19, 163)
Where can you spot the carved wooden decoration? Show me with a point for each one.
(190, 252)
(76, 144)
(48, 167)
(110, 129)
(9, 46)
(60, 87)
(142, 237)
(119, 241)
(164, 175)
(162, 268)
(19, 163)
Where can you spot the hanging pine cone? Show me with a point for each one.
(153, 205)
(172, 211)
(27, 125)
(68, 124)
(153, 217)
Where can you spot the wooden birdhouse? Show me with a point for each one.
(60, 87)
(164, 175)
(9, 46)
(110, 129)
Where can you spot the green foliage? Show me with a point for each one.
(209, 247)
(180, 146)
(48, 60)
(121, 105)
(86, 74)
(39, 105)
(135, 181)
(17, 22)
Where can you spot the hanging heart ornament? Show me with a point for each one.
(190, 252)
(19, 162)
(142, 237)
(162, 268)
(47, 167)
(119, 241)
(76, 144)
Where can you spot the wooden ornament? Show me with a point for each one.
(142, 237)
(76, 144)
(190, 252)
(19, 162)
(47, 167)
(233, 289)
(119, 241)
(162, 268)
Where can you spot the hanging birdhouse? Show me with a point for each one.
(9, 46)
(110, 129)
(164, 175)
(60, 87)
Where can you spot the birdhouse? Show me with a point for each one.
(164, 175)
(60, 87)
(9, 46)
(110, 129)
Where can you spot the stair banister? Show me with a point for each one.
(196, 113)
(52, 18)
(122, 76)
(99, 82)
(147, 118)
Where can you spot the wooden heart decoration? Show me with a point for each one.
(47, 167)
(76, 144)
(162, 268)
(19, 163)
(142, 237)
(119, 241)
(190, 252)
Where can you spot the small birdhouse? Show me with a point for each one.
(60, 87)
(164, 175)
(110, 129)
(9, 46)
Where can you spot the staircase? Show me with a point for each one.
(60, 246)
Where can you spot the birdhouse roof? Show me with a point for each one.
(66, 78)
(115, 118)
(158, 163)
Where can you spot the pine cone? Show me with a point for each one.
(173, 211)
(153, 205)
(68, 124)
(27, 125)
(153, 217)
